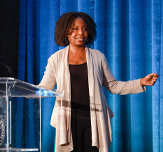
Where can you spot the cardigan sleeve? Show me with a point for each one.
(119, 87)
(49, 79)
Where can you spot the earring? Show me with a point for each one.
(66, 39)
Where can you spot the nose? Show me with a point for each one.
(81, 32)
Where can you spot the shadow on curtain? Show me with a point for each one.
(130, 34)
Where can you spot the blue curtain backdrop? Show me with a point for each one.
(130, 34)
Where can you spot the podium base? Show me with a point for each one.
(18, 149)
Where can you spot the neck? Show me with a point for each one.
(77, 49)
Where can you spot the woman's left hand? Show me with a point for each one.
(149, 80)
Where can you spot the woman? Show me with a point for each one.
(82, 117)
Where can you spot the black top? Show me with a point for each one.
(79, 83)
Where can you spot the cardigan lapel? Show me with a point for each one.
(91, 84)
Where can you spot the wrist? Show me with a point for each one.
(142, 82)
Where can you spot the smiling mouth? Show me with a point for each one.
(82, 39)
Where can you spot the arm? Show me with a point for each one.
(119, 87)
(49, 79)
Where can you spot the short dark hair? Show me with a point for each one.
(65, 22)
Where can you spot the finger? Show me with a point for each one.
(151, 83)
(155, 74)
(154, 79)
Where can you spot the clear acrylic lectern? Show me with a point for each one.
(20, 115)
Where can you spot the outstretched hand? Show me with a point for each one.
(149, 80)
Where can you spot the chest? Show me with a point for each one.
(76, 58)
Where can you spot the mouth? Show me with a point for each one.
(81, 39)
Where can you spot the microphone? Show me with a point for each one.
(7, 67)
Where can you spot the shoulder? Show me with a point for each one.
(58, 55)
(96, 54)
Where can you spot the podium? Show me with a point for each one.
(20, 115)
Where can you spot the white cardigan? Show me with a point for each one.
(99, 74)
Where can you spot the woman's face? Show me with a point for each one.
(78, 33)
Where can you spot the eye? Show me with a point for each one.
(85, 29)
(74, 29)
